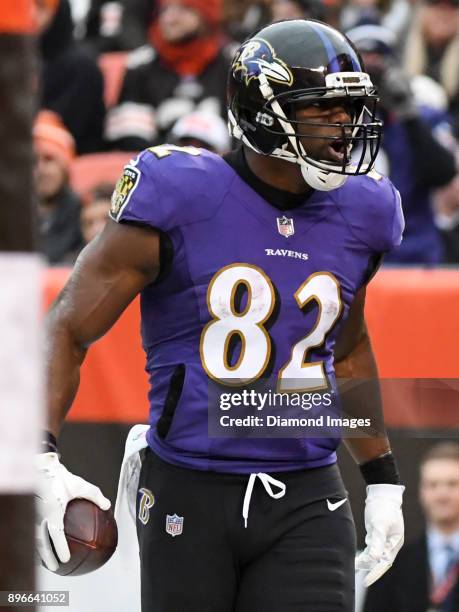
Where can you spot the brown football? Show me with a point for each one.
(92, 536)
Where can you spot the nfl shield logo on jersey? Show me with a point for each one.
(174, 525)
(285, 226)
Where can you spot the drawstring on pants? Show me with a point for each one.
(267, 481)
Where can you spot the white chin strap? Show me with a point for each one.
(322, 180)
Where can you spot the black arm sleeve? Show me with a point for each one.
(435, 165)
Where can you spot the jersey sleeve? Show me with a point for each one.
(136, 197)
(371, 207)
(392, 232)
(168, 186)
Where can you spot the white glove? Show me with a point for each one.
(57, 486)
(385, 530)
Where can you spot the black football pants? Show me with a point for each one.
(296, 554)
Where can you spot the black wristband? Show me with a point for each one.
(48, 443)
(381, 470)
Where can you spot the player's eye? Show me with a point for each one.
(324, 106)
(310, 108)
(321, 105)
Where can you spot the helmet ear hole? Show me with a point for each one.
(260, 129)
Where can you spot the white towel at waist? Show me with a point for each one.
(127, 552)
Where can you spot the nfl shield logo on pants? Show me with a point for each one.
(285, 226)
(174, 524)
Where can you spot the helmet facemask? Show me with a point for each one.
(286, 137)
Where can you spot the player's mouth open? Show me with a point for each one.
(337, 150)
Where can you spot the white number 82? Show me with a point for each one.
(248, 325)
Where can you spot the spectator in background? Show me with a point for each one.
(184, 70)
(94, 213)
(391, 14)
(117, 25)
(425, 575)
(297, 9)
(333, 10)
(58, 206)
(447, 219)
(204, 130)
(432, 48)
(243, 17)
(411, 155)
(71, 83)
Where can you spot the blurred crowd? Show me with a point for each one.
(425, 575)
(121, 75)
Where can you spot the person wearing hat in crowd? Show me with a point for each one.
(394, 15)
(58, 205)
(415, 151)
(204, 130)
(183, 70)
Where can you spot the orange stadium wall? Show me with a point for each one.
(413, 318)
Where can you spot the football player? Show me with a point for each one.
(249, 266)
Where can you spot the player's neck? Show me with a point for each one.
(276, 172)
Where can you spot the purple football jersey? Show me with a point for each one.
(299, 271)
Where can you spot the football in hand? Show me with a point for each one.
(92, 537)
